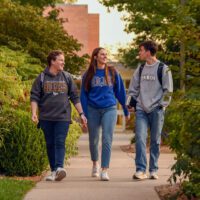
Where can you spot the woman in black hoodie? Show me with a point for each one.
(50, 94)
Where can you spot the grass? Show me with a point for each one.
(14, 189)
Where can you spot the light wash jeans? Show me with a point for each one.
(104, 118)
(154, 121)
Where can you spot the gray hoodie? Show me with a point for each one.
(147, 91)
(53, 94)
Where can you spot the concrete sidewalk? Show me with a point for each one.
(79, 185)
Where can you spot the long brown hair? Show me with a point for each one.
(92, 70)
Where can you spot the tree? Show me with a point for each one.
(38, 3)
(174, 24)
(23, 28)
(42, 3)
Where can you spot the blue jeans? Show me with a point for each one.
(55, 133)
(104, 118)
(154, 121)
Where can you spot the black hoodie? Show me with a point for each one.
(52, 94)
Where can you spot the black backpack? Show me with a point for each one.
(159, 71)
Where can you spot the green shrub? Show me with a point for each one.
(25, 66)
(72, 138)
(183, 119)
(23, 151)
(73, 135)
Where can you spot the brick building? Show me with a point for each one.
(81, 24)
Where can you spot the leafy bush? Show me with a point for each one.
(73, 135)
(183, 118)
(71, 141)
(23, 151)
(26, 67)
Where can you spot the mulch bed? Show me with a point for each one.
(30, 178)
(171, 192)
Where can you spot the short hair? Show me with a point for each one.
(150, 46)
(53, 55)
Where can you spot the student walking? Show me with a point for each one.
(51, 93)
(150, 90)
(101, 86)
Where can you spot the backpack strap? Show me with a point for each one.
(67, 80)
(42, 79)
(140, 70)
(160, 72)
(42, 83)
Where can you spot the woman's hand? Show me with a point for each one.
(34, 118)
(127, 118)
(83, 120)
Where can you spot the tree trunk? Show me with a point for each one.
(182, 59)
(182, 67)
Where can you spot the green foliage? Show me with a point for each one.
(173, 24)
(73, 135)
(38, 3)
(183, 119)
(24, 28)
(23, 151)
(72, 138)
(26, 66)
(14, 189)
(42, 3)
(128, 57)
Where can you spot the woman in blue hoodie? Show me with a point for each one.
(101, 86)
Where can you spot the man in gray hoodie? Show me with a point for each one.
(150, 91)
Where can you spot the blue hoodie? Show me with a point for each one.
(103, 95)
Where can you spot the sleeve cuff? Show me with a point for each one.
(34, 100)
(75, 101)
(125, 109)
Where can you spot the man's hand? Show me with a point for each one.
(131, 109)
(34, 118)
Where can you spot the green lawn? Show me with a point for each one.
(14, 189)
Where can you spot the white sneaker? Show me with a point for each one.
(153, 175)
(104, 176)
(51, 177)
(140, 175)
(95, 171)
(60, 174)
